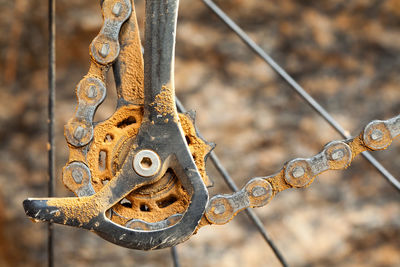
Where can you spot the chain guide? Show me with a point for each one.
(112, 140)
(140, 176)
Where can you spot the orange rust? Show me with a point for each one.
(197, 146)
(164, 102)
(357, 146)
(112, 138)
(97, 71)
(109, 136)
(203, 222)
(68, 207)
(131, 59)
(279, 183)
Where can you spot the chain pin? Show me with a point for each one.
(258, 191)
(91, 92)
(105, 50)
(298, 172)
(337, 154)
(219, 209)
(117, 9)
(77, 175)
(79, 132)
(376, 135)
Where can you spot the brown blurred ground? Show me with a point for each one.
(345, 53)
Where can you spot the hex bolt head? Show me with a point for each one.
(117, 8)
(298, 172)
(104, 50)
(146, 163)
(376, 135)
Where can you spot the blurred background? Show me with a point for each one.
(345, 54)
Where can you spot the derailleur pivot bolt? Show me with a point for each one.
(146, 163)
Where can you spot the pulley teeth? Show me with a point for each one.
(203, 151)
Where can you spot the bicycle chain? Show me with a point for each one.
(301, 172)
(165, 201)
(97, 150)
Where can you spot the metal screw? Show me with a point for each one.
(219, 209)
(104, 50)
(117, 9)
(146, 163)
(376, 135)
(79, 132)
(91, 91)
(77, 175)
(298, 172)
(258, 191)
(337, 154)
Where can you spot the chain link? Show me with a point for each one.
(301, 172)
(91, 92)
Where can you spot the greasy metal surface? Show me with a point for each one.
(115, 198)
(300, 173)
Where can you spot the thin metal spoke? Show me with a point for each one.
(51, 120)
(175, 258)
(296, 87)
(250, 213)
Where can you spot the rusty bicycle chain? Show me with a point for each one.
(297, 173)
(301, 172)
(88, 140)
(91, 92)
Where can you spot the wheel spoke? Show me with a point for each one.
(250, 213)
(51, 107)
(175, 258)
(296, 87)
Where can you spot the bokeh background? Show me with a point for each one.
(346, 55)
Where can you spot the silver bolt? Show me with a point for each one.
(79, 132)
(337, 154)
(146, 163)
(91, 91)
(298, 172)
(258, 191)
(77, 175)
(104, 50)
(219, 209)
(117, 9)
(376, 135)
